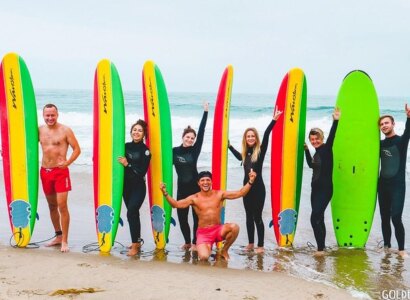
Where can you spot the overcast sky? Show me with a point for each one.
(193, 41)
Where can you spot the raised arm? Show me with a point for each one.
(332, 133)
(406, 133)
(183, 203)
(201, 130)
(265, 140)
(230, 195)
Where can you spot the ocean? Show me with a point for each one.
(364, 272)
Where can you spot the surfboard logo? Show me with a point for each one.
(13, 89)
(104, 96)
(105, 218)
(20, 211)
(287, 221)
(293, 103)
(158, 219)
(151, 98)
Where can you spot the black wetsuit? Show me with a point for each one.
(392, 184)
(138, 157)
(322, 185)
(255, 199)
(185, 162)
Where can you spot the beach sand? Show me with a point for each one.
(37, 273)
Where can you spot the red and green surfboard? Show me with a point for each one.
(159, 140)
(108, 145)
(19, 139)
(221, 133)
(288, 137)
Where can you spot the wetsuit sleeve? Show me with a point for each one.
(201, 133)
(332, 133)
(406, 133)
(235, 152)
(308, 158)
(265, 140)
(141, 169)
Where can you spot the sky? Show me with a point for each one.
(193, 41)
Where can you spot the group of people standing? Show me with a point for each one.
(195, 189)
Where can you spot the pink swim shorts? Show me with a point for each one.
(209, 235)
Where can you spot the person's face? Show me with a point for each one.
(137, 133)
(50, 116)
(205, 184)
(386, 126)
(315, 140)
(250, 138)
(188, 139)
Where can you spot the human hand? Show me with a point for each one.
(276, 113)
(206, 106)
(336, 113)
(252, 176)
(163, 188)
(122, 160)
(407, 108)
(305, 146)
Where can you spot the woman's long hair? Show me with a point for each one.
(256, 148)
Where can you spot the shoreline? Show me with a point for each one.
(41, 272)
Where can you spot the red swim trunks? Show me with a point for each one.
(209, 235)
(55, 180)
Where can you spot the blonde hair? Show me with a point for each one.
(256, 148)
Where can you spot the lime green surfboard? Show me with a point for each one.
(355, 160)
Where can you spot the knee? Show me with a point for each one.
(316, 217)
(234, 228)
(203, 256)
(133, 211)
(396, 220)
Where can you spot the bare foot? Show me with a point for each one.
(186, 246)
(193, 248)
(260, 250)
(225, 254)
(250, 247)
(57, 241)
(403, 254)
(64, 247)
(134, 249)
(319, 253)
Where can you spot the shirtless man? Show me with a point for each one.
(207, 204)
(55, 139)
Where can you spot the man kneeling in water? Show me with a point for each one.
(207, 204)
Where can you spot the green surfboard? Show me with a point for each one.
(355, 160)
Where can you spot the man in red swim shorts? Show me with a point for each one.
(54, 140)
(207, 204)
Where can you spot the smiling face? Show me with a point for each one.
(188, 139)
(50, 115)
(137, 133)
(387, 126)
(250, 138)
(205, 184)
(316, 140)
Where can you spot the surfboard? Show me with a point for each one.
(221, 134)
(159, 140)
(288, 137)
(355, 160)
(108, 145)
(19, 140)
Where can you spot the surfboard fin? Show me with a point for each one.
(121, 222)
(270, 223)
(173, 222)
(37, 217)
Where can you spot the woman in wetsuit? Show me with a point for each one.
(322, 184)
(135, 162)
(185, 158)
(252, 157)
